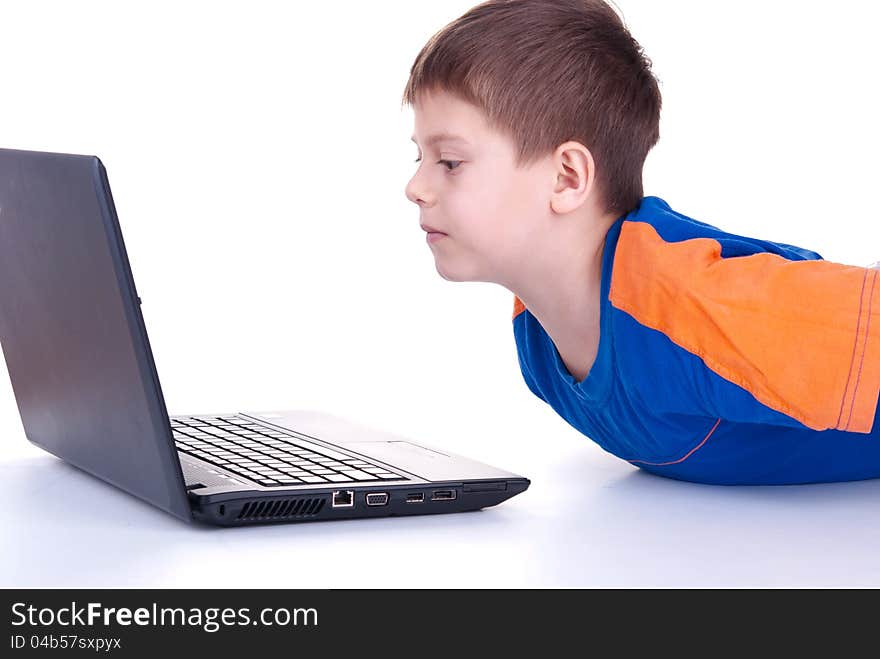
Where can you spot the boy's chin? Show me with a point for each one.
(460, 274)
(450, 273)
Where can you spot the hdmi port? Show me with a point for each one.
(443, 495)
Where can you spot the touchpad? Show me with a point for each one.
(418, 460)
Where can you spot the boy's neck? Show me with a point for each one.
(565, 296)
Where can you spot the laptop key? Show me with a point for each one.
(360, 475)
(313, 479)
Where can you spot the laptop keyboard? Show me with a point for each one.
(270, 456)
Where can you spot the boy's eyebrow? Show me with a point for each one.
(442, 137)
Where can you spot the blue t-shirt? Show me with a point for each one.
(722, 359)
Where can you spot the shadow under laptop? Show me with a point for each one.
(633, 528)
(73, 529)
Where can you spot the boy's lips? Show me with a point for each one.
(431, 229)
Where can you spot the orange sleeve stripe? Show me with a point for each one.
(803, 337)
(518, 306)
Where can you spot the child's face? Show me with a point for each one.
(492, 213)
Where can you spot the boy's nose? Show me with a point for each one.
(414, 195)
(410, 191)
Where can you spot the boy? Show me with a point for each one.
(688, 351)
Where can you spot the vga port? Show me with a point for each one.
(377, 498)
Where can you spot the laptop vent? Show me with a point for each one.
(281, 508)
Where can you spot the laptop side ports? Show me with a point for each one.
(442, 495)
(343, 498)
(415, 497)
(377, 499)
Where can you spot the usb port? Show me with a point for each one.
(443, 495)
(377, 499)
(415, 497)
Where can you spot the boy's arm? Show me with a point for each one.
(757, 338)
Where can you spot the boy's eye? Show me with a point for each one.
(446, 163)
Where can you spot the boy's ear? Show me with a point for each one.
(575, 173)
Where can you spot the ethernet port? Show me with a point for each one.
(343, 498)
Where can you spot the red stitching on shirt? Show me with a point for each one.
(864, 349)
(663, 464)
(852, 358)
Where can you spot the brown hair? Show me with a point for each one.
(548, 71)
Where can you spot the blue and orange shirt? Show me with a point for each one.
(722, 358)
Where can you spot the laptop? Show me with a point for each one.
(87, 390)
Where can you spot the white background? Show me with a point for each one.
(258, 156)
